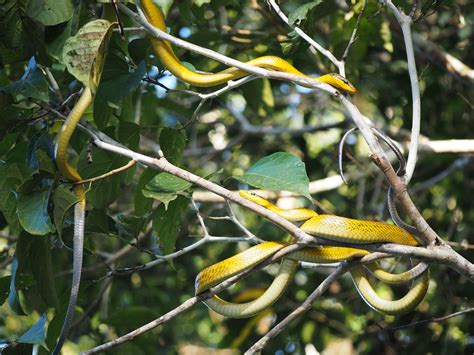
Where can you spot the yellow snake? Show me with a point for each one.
(171, 62)
(330, 227)
(79, 209)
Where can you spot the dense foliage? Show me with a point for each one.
(136, 215)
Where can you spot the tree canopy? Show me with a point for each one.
(162, 162)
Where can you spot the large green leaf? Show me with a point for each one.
(33, 212)
(301, 13)
(259, 96)
(167, 221)
(279, 171)
(84, 53)
(20, 37)
(129, 227)
(50, 12)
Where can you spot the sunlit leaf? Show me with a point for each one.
(84, 53)
(302, 12)
(279, 171)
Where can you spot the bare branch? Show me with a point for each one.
(405, 24)
(127, 166)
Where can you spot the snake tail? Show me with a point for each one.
(396, 307)
(71, 173)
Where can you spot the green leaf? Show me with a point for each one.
(129, 134)
(141, 203)
(9, 210)
(36, 334)
(11, 177)
(13, 299)
(110, 93)
(42, 270)
(164, 197)
(172, 143)
(41, 152)
(164, 187)
(166, 223)
(302, 12)
(33, 212)
(55, 47)
(50, 12)
(55, 325)
(279, 171)
(32, 84)
(21, 37)
(130, 226)
(4, 288)
(84, 53)
(45, 163)
(63, 200)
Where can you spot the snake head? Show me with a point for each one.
(339, 82)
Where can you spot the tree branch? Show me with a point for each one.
(438, 251)
(191, 302)
(405, 24)
(308, 303)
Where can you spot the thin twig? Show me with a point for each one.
(312, 42)
(308, 303)
(53, 82)
(405, 24)
(119, 20)
(432, 320)
(354, 32)
(127, 166)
